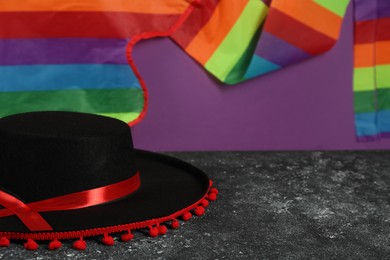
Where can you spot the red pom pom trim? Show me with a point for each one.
(127, 237)
(80, 244)
(205, 203)
(162, 230)
(155, 226)
(55, 244)
(31, 245)
(108, 240)
(153, 232)
(199, 211)
(212, 196)
(187, 216)
(214, 190)
(4, 242)
(175, 224)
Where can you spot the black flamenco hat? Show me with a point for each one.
(67, 175)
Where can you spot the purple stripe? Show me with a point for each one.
(278, 51)
(383, 8)
(366, 10)
(62, 51)
(369, 138)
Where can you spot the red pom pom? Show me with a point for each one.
(186, 216)
(212, 196)
(127, 237)
(108, 240)
(214, 190)
(199, 211)
(205, 203)
(4, 242)
(175, 224)
(80, 244)
(153, 232)
(31, 245)
(55, 244)
(162, 230)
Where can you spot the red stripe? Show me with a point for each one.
(383, 29)
(365, 31)
(296, 33)
(81, 24)
(28, 213)
(373, 30)
(199, 17)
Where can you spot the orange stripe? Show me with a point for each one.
(214, 32)
(136, 6)
(312, 15)
(383, 52)
(364, 55)
(371, 54)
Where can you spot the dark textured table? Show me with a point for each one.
(271, 205)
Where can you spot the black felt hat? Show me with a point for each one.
(67, 175)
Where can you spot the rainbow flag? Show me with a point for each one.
(372, 69)
(75, 55)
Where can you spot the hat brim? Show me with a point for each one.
(169, 188)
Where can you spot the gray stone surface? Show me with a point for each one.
(272, 205)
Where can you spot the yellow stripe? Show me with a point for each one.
(364, 79)
(383, 76)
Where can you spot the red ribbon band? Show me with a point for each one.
(29, 213)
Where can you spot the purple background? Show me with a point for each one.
(308, 106)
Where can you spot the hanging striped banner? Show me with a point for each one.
(77, 55)
(372, 69)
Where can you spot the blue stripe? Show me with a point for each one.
(370, 124)
(259, 66)
(69, 76)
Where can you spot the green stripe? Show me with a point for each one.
(236, 42)
(365, 100)
(83, 100)
(364, 79)
(125, 117)
(335, 6)
(383, 76)
(239, 70)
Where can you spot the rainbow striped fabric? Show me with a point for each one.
(372, 69)
(75, 55)
(240, 40)
(245, 39)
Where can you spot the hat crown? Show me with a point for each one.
(48, 154)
